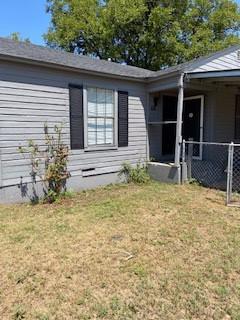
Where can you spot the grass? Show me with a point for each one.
(122, 252)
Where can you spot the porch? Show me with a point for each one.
(199, 107)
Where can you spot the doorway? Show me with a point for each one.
(192, 128)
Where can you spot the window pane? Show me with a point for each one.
(109, 124)
(100, 137)
(92, 124)
(92, 131)
(109, 103)
(100, 131)
(100, 123)
(109, 131)
(92, 94)
(109, 137)
(92, 101)
(92, 138)
(101, 102)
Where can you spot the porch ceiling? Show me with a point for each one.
(219, 74)
(211, 80)
(235, 81)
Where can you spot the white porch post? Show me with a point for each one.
(179, 122)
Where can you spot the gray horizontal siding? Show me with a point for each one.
(224, 125)
(29, 97)
(226, 62)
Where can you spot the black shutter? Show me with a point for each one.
(76, 117)
(122, 119)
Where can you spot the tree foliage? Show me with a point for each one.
(16, 36)
(145, 33)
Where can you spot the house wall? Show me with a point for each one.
(219, 118)
(227, 61)
(224, 123)
(219, 115)
(30, 96)
(219, 123)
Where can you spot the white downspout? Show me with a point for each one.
(179, 124)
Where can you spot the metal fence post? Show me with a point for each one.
(229, 173)
(189, 161)
(183, 161)
(183, 150)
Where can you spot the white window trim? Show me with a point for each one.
(99, 147)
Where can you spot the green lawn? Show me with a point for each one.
(122, 252)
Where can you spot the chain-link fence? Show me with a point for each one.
(213, 165)
(233, 182)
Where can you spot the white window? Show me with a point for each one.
(100, 117)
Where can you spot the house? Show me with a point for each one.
(111, 113)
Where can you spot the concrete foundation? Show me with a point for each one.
(27, 192)
(164, 172)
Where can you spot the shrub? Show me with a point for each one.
(137, 174)
(49, 163)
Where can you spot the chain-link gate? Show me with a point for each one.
(213, 165)
(233, 181)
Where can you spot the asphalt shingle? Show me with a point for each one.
(37, 53)
(40, 54)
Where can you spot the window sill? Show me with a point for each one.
(103, 148)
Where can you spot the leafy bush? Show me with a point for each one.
(49, 163)
(137, 174)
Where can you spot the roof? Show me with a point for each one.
(10, 49)
(28, 51)
(192, 64)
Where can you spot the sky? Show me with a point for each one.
(28, 17)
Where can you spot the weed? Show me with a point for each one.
(139, 271)
(101, 310)
(42, 316)
(19, 313)
(115, 304)
(137, 174)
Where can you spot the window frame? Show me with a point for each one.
(100, 147)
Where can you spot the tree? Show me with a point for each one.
(147, 33)
(17, 37)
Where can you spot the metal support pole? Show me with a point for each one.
(229, 173)
(183, 175)
(183, 150)
(179, 126)
(189, 161)
(179, 121)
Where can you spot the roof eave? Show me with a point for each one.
(69, 68)
(165, 76)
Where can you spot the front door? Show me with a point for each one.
(192, 128)
(193, 122)
(169, 127)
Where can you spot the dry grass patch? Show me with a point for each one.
(122, 252)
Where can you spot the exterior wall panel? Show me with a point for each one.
(30, 96)
(228, 61)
